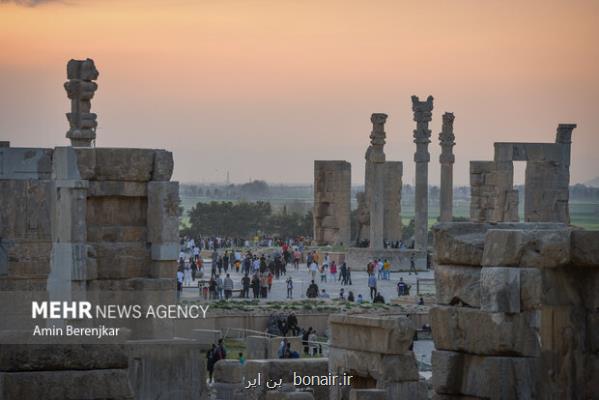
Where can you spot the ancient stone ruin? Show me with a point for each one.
(80, 89)
(95, 224)
(377, 352)
(379, 206)
(547, 180)
(332, 202)
(422, 116)
(446, 159)
(517, 314)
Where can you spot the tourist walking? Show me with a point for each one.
(372, 285)
(412, 265)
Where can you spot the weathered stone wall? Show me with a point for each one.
(94, 224)
(516, 311)
(167, 369)
(484, 206)
(547, 179)
(332, 202)
(58, 372)
(377, 352)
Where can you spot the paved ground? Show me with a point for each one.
(301, 280)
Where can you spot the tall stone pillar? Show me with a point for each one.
(422, 115)
(564, 137)
(446, 159)
(393, 182)
(80, 89)
(375, 176)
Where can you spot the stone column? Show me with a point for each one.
(446, 159)
(392, 187)
(80, 89)
(422, 115)
(375, 175)
(564, 137)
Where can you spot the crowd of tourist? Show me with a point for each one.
(259, 270)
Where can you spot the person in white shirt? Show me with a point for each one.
(313, 270)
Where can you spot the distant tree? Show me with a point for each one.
(228, 219)
(254, 189)
(245, 219)
(408, 231)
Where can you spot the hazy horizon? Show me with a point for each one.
(263, 88)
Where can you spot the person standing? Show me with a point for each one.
(245, 284)
(309, 259)
(343, 274)
(226, 261)
(386, 269)
(412, 265)
(313, 269)
(289, 288)
(256, 286)
(348, 275)
(264, 286)
(372, 285)
(179, 283)
(333, 271)
(229, 286)
(220, 287)
(297, 256)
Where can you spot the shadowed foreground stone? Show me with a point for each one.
(367, 394)
(386, 335)
(46, 357)
(500, 290)
(527, 248)
(456, 283)
(475, 331)
(60, 385)
(488, 377)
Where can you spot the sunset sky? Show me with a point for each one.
(263, 88)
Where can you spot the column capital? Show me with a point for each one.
(422, 109)
(447, 139)
(375, 152)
